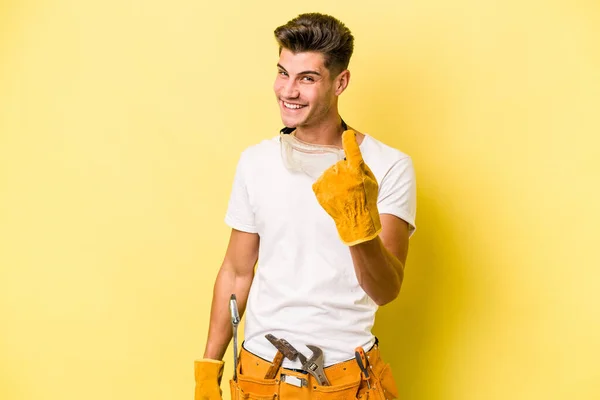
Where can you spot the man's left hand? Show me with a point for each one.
(348, 192)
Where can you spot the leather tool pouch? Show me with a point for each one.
(336, 391)
(248, 386)
(345, 378)
(253, 389)
(383, 385)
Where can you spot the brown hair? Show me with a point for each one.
(319, 33)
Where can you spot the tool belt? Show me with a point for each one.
(346, 380)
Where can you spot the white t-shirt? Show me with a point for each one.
(305, 288)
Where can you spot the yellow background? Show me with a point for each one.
(120, 126)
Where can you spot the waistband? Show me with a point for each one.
(325, 368)
(243, 348)
(253, 366)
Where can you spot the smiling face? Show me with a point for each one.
(306, 92)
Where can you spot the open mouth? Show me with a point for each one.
(292, 106)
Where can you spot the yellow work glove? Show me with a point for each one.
(208, 374)
(348, 192)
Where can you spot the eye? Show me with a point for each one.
(283, 73)
(308, 79)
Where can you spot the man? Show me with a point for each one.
(325, 213)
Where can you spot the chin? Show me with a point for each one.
(290, 123)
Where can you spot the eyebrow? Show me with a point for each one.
(301, 73)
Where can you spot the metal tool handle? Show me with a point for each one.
(235, 320)
(235, 315)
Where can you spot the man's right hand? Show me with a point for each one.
(235, 276)
(208, 374)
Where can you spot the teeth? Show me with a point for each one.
(293, 106)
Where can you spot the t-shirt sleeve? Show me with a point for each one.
(239, 213)
(398, 193)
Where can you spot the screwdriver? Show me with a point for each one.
(361, 360)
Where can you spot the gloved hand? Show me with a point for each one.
(348, 192)
(208, 374)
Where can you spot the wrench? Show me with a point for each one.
(314, 365)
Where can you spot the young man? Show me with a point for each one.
(325, 213)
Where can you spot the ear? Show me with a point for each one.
(341, 82)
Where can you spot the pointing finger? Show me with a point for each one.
(351, 149)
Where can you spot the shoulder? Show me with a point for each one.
(261, 151)
(381, 155)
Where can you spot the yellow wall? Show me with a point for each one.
(120, 126)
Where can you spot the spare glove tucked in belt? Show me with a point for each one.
(348, 192)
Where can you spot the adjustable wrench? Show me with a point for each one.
(314, 365)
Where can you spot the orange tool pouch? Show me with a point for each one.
(346, 380)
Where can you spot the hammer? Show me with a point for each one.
(284, 349)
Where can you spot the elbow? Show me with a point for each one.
(391, 290)
(384, 288)
(388, 295)
(386, 298)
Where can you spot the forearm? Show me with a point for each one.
(378, 271)
(220, 329)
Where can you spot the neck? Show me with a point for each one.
(327, 132)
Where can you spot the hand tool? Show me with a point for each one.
(235, 320)
(313, 366)
(283, 346)
(284, 349)
(361, 360)
(277, 361)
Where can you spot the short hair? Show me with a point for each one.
(319, 33)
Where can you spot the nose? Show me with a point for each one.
(289, 89)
